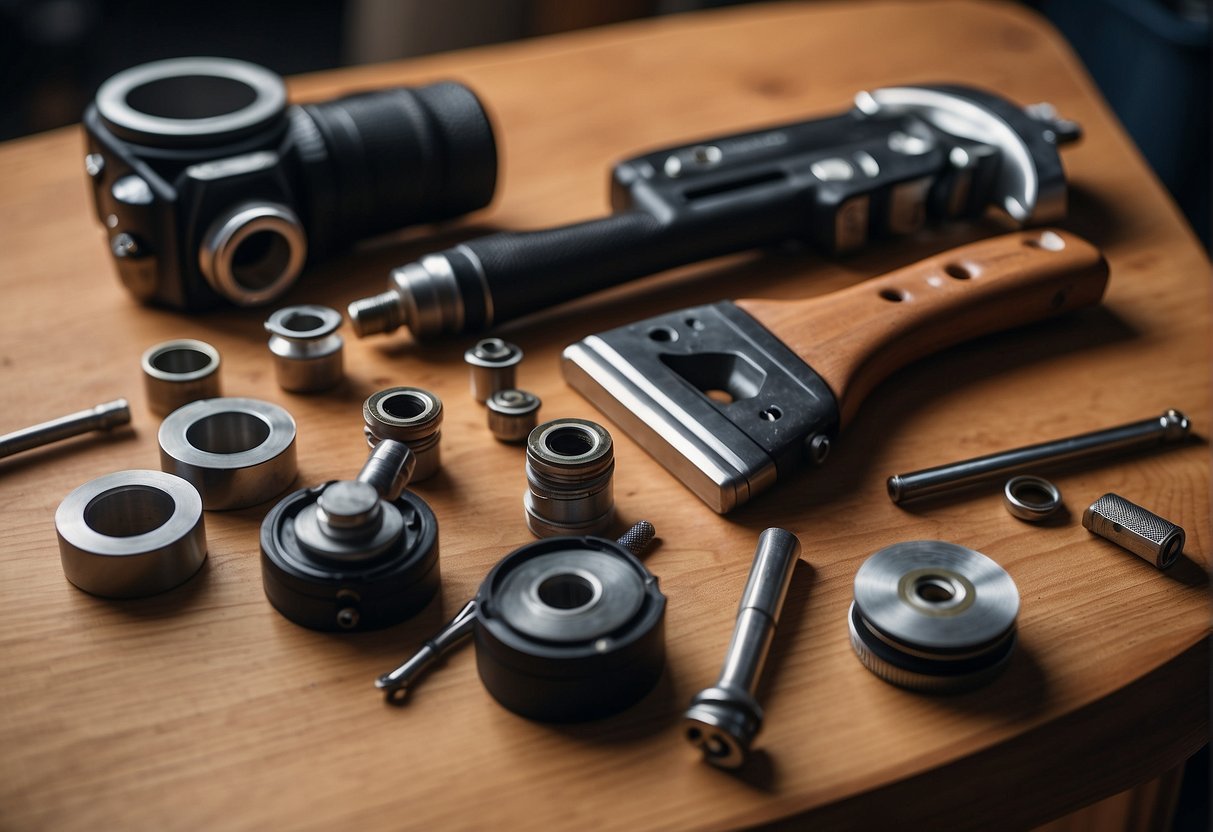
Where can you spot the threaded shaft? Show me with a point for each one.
(380, 313)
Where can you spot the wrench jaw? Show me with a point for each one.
(722, 723)
(711, 394)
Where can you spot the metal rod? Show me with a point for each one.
(102, 417)
(1172, 426)
(723, 720)
(396, 684)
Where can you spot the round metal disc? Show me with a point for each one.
(936, 596)
(569, 596)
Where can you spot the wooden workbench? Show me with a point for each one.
(203, 708)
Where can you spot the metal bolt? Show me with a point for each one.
(102, 417)
(306, 347)
(494, 364)
(724, 719)
(513, 414)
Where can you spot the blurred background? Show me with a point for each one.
(1149, 57)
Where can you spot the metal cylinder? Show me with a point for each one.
(178, 372)
(102, 417)
(493, 363)
(1140, 531)
(513, 414)
(388, 469)
(409, 415)
(306, 347)
(131, 534)
(724, 719)
(236, 452)
(570, 464)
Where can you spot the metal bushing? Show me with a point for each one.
(409, 415)
(236, 452)
(513, 414)
(179, 372)
(306, 347)
(131, 534)
(494, 364)
(570, 464)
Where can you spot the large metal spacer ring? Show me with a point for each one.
(131, 534)
(236, 452)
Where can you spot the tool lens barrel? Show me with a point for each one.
(377, 161)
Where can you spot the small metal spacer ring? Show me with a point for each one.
(1016, 493)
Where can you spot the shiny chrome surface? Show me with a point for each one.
(1031, 498)
(307, 349)
(105, 416)
(178, 372)
(409, 415)
(1142, 532)
(494, 365)
(512, 414)
(570, 466)
(1171, 426)
(724, 719)
(237, 452)
(131, 534)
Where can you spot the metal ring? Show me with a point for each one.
(131, 534)
(236, 452)
(1023, 498)
(217, 254)
(267, 91)
(179, 372)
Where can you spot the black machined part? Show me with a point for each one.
(975, 669)
(364, 595)
(569, 680)
(174, 147)
(901, 158)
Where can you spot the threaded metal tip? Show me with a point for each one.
(380, 313)
(638, 538)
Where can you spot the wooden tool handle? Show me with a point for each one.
(856, 337)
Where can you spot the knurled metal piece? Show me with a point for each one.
(1140, 531)
(921, 682)
(513, 414)
(637, 539)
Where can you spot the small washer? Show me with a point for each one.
(1031, 498)
(236, 452)
(131, 534)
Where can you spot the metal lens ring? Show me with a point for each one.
(931, 615)
(190, 100)
(1031, 498)
(253, 253)
(131, 534)
(236, 452)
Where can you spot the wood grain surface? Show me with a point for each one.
(203, 708)
(856, 337)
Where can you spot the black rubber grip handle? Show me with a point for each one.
(532, 270)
